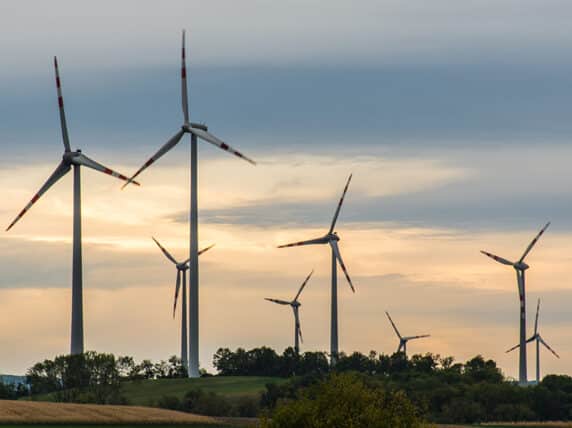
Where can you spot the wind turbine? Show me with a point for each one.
(332, 238)
(403, 340)
(538, 339)
(182, 268)
(75, 159)
(520, 267)
(196, 131)
(295, 304)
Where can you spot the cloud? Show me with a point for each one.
(260, 32)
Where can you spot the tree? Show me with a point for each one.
(344, 400)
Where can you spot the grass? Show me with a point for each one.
(147, 392)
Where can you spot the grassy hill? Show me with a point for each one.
(147, 392)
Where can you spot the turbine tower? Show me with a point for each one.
(295, 304)
(181, 272)
(75, 159)
(403, 340)
(538, 339)
(196, 131)
(332, 239)
(520, 267)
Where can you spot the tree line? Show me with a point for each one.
(94, 377)
(440, 389)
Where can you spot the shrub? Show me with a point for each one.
(344, 400)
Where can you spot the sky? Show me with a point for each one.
(452, 116)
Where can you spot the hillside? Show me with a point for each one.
(147, 392)
(32, 412)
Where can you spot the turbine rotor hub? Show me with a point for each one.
(68, 157)
(521, 266)
(333, 236)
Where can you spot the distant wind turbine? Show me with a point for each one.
(196, 130)
(520, 267)
(295, 304)
(538, 339)
(75, 159)
(403, 340)
(182, 268)
(332, 238)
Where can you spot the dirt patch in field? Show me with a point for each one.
(34, 412)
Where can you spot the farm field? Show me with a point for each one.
(147, 392)
(33, 412)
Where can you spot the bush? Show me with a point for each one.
(202, 403)
(344, 400)
(169, 402)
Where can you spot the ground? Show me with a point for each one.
(33, 412)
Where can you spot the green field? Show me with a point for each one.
(147, 392)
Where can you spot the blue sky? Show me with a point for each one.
(453, 117)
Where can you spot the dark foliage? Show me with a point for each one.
(345, 400)
(211, 404)
(444, 391)
(92, 377)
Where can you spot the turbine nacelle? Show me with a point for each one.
(68, 157)
(202, 126)
(521, 266)
(332, 236)
(188, 127)
(183, 266)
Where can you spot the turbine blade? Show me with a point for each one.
(63, 123)
(59, 172)
(536, 319)
(210, 138)
(184, 93)
(498, 259)
(280, 302)
(308, 242)
(204, 250)
(394, 327)
(339, 207)
(178, 286)
(421, 336)
(303, 285)
(513, 348)
(164, 250)
(82, 159)
(548, 347)
(300, 333)
(164, 149)
(533, 243)
(334, 245)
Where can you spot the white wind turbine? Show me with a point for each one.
(196, 131)
(182, 268)
(332, 238)
(520, 267)
(403, 339)
(538, 339)
(75, 159)
(295, 305)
